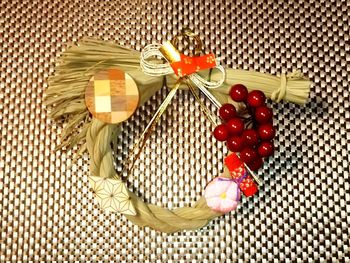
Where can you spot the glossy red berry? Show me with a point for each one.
(266, 149)
(263, 114)
(235, 126)
(256, 164)
(266, 132)
(256, 98)
(248, 155)
(239, 92)
(227, 111)
(221, 132)
(235, 143)
(251, 137)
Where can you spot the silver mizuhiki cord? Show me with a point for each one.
(159, 66)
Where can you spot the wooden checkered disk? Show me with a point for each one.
(112, 96)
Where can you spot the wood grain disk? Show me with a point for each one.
(111, 96)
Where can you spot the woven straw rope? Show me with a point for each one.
(66, 95)
(98, 139)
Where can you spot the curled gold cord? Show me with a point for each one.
(187, 34)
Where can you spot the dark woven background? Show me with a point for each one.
(301, 212)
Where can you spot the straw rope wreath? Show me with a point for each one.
(66, 99)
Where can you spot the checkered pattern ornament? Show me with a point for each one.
(111, 96)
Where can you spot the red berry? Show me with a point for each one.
(227, 111)
(235, 126)
(221, 132)
(263, 114)
(256, 163)
(256, 98)
(251, 137)
(248, 155)
(266, 149)
(235, 143)
(238, 92)
(266, 132)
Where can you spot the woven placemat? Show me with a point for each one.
(302, 210)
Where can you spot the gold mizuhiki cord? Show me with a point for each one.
(139, 145)
(171, 53)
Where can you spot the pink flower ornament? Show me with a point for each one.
(222, 194)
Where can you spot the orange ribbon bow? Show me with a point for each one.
(189, 65)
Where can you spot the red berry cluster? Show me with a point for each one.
(253, 143)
